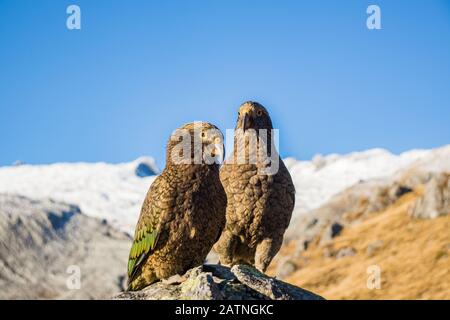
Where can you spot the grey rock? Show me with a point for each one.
(402, 190)
(215, 282)
(435, 200)
(43, 245)
(144, 170)
(330, 252)
(285, 268)
(374, 246)
(270, 287)
(345, 252)
(331, 231)
(336, 229)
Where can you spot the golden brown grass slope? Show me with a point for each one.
(412, 254)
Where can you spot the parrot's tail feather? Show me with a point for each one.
(140, 281)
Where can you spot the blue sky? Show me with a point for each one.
(116, 89)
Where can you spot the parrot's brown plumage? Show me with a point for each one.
(183, 214)
(260, 203)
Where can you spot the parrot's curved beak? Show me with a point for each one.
(246, 122)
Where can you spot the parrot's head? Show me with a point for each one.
(252, 115)
(196, 143)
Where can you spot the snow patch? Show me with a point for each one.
(318, 180)
(108, 191)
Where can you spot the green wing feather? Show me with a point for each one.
(157, 209)
(144, 242)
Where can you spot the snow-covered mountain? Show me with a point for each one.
(44, 244)
(108, 191)
(316, 181)
(115, 191)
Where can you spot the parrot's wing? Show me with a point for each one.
(155, 209)
(224, 175)
(144, 242)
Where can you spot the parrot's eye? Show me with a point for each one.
(259, 113)
(203, 134)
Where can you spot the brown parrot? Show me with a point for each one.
(259, 201)
(183, 213)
